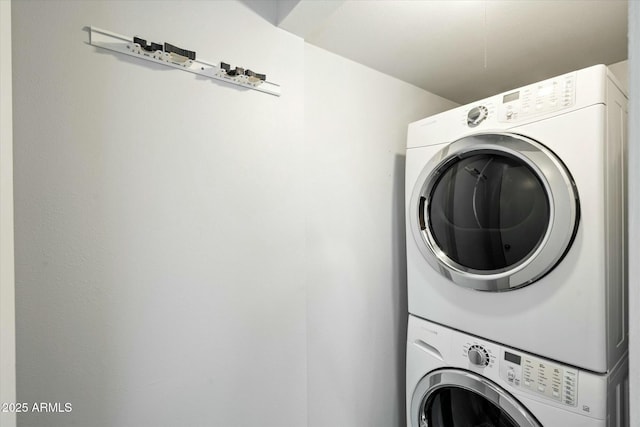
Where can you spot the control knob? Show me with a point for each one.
(476, 115)
(478, 355)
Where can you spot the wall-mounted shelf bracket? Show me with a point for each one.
(183, 59)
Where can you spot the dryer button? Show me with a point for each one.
(476, 115)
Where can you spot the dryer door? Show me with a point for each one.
(494, 212)
(457, 398)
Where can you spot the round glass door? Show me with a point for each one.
(488, 211)
(458, 398)
(494, 212)
(458, 407)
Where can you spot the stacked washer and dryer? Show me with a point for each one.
(516, 258)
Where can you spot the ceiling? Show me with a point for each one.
(464, 50)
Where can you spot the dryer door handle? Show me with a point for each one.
(423, 225)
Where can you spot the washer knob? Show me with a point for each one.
(478, 356)
(476, 115)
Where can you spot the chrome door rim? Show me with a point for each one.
(563, 203)
(442, 378)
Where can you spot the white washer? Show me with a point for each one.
(516, 219)
(455, 379)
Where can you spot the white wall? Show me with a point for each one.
(159, 220)
(7, 308)
(355, 124)
(634, 210)
(183, 247)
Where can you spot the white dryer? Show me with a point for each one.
(516, 219)
(458, 380)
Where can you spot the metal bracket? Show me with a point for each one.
(123, 44)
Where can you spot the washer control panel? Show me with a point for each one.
(480, 355)
(539, 98)
(540, 377)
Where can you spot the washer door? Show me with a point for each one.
(457, 398)
(494, 212)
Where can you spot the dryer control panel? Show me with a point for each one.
(537, 99)
(540, 377)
